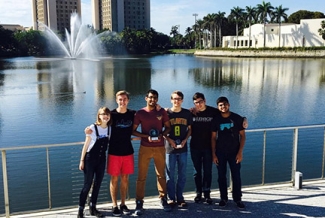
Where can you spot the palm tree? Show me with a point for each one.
(209, 24)
(321, 30)
(219, 19)
(277, 16)
(174, 31)
(237, 14)
(198, 28)
(189, 36)
(250, 14)
(263, 10)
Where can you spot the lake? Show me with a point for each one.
(51, 100)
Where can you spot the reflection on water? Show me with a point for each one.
(44, 101)
(60, 92)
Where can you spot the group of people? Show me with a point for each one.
(217, 136)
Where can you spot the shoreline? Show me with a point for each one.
(262, 53)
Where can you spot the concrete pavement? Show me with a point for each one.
(261, 201)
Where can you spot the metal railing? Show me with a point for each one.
(315, 135)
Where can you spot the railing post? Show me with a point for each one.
(5, 182)
(294, 155)
(48, 177)
(323, 165)
(264, 157)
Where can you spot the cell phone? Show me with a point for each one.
(178, 146)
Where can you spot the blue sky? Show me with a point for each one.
(164, 13)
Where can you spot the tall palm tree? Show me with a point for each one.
(189, 36)
(220, 16)
(250, 14)
(263, 10)
(209, 24)
(199, 27)
(236, 14)
(277, 16)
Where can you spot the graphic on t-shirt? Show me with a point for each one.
(123, 123)
(226, 126)
(159, 117)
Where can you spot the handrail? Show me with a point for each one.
(264, 131)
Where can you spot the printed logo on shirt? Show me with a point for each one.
(175, 121)
(159, 117)
(123, 124)
(226, 126)
(202, 119)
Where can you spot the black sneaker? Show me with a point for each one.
(80, 214)
(240, 205)
(94, 212)
(139, 208)
(172, 203)
(198, 198)
(125, 210)
(182, 204)
(165, 205)
(223, 203)
(208, 200)
(116, 211)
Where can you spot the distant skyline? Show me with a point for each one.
(164, 13)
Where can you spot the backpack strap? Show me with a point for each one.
(97, 135)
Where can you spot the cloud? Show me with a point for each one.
(16, 12)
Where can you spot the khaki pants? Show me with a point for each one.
(159, 155)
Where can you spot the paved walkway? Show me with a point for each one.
(264, 201)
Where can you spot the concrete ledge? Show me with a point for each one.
(261, 53)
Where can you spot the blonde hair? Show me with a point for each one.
(122, 92)
(106, 111)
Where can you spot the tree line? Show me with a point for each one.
(212, 27)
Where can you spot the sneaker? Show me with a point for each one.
(139, 208)
(116, 211)
(198, 198)
(165, 205)
(240, 205)
(94, 212)
(80, 214)
(223, 203)
(182, 204)
(125, 210)
(208, 200)
(171, 203)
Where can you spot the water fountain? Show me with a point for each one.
(81, 42)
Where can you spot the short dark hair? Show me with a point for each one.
(222, 99)
(198, 95)
(179, 93)
(152, 91)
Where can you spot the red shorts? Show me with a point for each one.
(117, 165)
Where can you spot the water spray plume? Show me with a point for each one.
(81, 42)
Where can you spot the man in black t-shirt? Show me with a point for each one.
(227, 142)
(201, 147)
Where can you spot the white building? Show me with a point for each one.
(304, 34)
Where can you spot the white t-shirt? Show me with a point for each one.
(102, 132)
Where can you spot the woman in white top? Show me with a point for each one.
(93, 160)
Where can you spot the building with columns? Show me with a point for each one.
(304, 34)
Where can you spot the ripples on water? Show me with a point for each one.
(45, 101)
